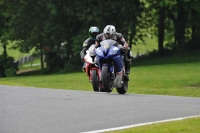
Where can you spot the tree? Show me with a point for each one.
(194, 23)
(41, 24)
(3, 28)
(45, 25)
(122, 14)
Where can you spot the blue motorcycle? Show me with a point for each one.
(111, 64)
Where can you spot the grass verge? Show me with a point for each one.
(191, 125)
(181, 79)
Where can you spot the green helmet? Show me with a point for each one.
(93, 32)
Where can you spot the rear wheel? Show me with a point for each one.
(106, 79)
(95, 80)
(102, 90)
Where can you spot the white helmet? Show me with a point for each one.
(109, 31)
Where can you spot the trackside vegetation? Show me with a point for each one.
(56, 29)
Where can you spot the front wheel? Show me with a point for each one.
(106, 79)
(95, 80)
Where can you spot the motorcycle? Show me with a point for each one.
(92, 69)
(110, 60)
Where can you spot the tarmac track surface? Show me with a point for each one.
(39, 110)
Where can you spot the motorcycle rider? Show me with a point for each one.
(109, 32)
(93, 32)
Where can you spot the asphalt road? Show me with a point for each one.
(39, 110)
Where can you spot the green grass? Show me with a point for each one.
(182, 79)
(171, 75)
(191, 125)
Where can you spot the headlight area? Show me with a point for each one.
(99, 52)
(114, 51)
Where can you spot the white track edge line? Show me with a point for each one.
(142, 124)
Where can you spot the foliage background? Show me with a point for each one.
(43, 25)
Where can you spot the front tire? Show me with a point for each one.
(106, 80)
(95, 80)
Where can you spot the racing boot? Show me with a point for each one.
(127, 67)
(128, 56)
(118, 80)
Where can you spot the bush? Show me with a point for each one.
(7, 66)
(10, 72)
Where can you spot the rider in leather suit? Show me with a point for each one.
(93, 31)
(109, 32)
